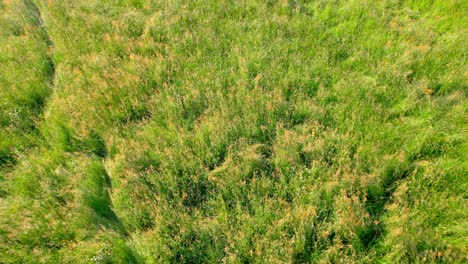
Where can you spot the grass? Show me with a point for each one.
(25, 79)
(233, 131)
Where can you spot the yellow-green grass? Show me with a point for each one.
(235, 132)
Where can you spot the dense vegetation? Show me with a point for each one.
(140, 131)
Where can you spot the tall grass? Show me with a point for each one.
(237, 132)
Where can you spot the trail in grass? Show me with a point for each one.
(99, 197)
(36, 13)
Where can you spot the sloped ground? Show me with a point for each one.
(233, 131)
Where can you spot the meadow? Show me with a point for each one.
(277, 131)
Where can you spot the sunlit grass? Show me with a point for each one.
(233, 131)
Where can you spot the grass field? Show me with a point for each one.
(278, 131)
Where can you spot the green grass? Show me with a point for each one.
(25, 80)
(233, 131)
